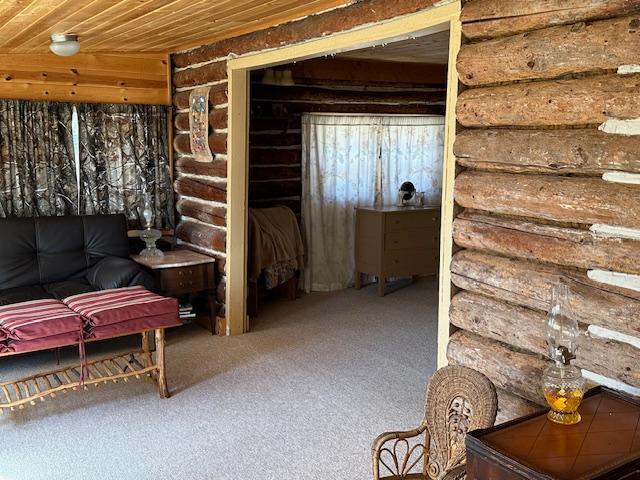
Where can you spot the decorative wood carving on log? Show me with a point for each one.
(201, 188)
(203, 212)
(217, 96)
(546, 243)
(497, 18)
(217, 168)
(594, 47)
(584, 151)
(526, 329)
(581, 101)
(529, 284)
(217, 143)
(203, 235)
(217, 119)
(508, 369)
(562, 199)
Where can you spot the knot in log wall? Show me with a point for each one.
(544, 81)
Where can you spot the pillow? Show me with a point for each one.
(113, 272)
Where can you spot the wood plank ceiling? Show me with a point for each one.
(142, 25)
(432, 49)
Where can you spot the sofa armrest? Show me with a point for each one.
(116, 272)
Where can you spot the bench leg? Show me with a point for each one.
(162, 379)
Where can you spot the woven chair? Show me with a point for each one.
(458, 400)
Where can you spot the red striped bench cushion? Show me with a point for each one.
(37, 319)
(131, 326)
(53, 341)
(108, 307)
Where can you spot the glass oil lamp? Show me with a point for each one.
(149, 235)
(563, 384)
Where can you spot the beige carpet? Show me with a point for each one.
(301, 397)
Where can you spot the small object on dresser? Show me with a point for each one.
(405, 194)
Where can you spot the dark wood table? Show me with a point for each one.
(604, 445)
(180, 272)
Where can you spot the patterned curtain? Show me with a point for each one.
(123, 156)
(37, 169)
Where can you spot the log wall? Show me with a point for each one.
(542, 83)
(201, 189)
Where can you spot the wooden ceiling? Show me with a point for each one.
(428, 49)
(142, 25)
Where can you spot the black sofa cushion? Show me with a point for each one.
(37, 251)
(67, 288)
(113, 272)
(23, 294)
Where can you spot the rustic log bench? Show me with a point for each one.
(103, 315)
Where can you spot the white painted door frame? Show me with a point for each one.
(444, 16)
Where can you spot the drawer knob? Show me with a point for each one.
(180, 272)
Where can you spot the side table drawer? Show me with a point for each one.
(184, 279)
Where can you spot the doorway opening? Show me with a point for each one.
(407, 41)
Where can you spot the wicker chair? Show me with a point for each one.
(458, 400)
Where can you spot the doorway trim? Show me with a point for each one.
(444, 16)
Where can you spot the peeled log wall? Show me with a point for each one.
(544, 82)
(201, 188)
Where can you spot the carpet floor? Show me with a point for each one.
(300, 397)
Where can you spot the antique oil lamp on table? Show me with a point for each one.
(149, 235)
(563, 384)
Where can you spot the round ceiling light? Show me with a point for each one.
(64, 44)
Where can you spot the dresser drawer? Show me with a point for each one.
(413, 261)
(412, 220)
(184, 279)
(424, 238)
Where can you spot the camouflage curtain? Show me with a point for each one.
(37, 168)
(123, 155)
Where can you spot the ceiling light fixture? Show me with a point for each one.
(64, 44)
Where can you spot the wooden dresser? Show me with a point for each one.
(397, 242)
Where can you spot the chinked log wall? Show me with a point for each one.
(327, 85)
(549, 83)
(201, 188)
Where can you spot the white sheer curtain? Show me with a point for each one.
(412, 149)
(353, 161)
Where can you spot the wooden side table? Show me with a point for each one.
(180, 272)
(605, 445)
